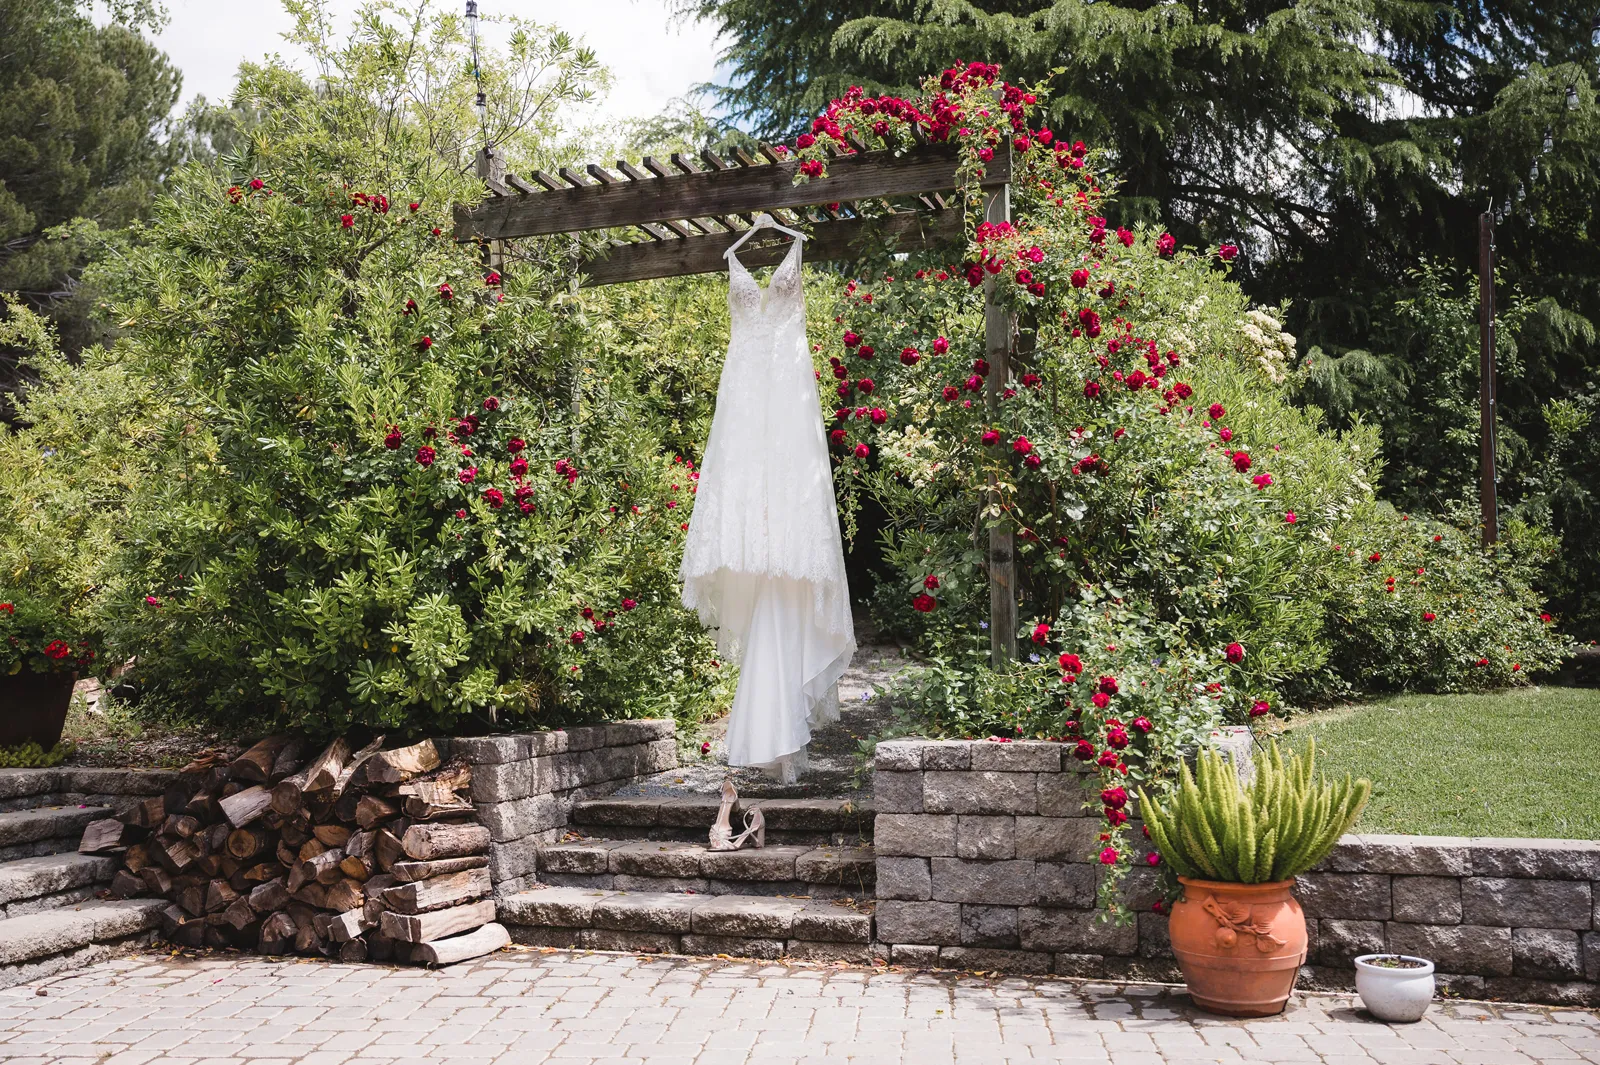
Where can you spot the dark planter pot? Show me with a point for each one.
(33, 707)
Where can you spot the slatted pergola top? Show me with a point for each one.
(683, 217)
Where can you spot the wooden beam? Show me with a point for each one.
(865, 175)
(844, 239)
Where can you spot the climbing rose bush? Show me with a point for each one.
(1174, 516)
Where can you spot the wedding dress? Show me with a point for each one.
(763, 564)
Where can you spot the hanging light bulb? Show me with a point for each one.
(472, 8)
(481, 104)
(1522, 192)
(1594, 32)
(1549, 139)
(1572, 97)
(1533, 173)
(1499, 214)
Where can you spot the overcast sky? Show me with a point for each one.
(651, 57)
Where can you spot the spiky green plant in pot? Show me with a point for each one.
(1238, 932)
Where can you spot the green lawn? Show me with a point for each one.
(1518, 763)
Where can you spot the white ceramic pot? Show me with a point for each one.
(1394, 994)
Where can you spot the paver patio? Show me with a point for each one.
(572, 1008)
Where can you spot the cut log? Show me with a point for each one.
(311, 894)
(255, 765)
(192, 897)
(247, 805)
(289, 758)
(246, 843)
(175, 854)
(475, 944)
(203, 807)
(348, 925)
(295, 830)
(411, 872)
(273, 895)
(310, 849)
(353, 952)
(323, 867)
(219, 896)
(149, 813)
(103, 836)
(239, 915)
(356, 866)
(306, 939)
(393, 767)
(379, 946)
(421, 928)
(207, 865)
(438, 892)
(423, 810)
(387, 849)
(127, 885)
(157, 880)
(137, 858)
(259, 874)
(182, 929)
(331, 835)
(426, 843)
(277, 934)
(181, 825)
(345, 808)
(345, 894)
(437, 792)
(357, 760)
(287, 855)
(372, 811)
(317, 775)
(216, 838)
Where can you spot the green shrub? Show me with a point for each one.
(1285, 822)
(33, 756)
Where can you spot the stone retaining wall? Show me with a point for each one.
(524, 784)
(985, 860)
(120, 789)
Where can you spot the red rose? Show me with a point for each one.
(347, 221)
(1071, 663)
(393, 440)
(628, 604)
(425, 455)
(1091, 389)
(1108, 685)
(878, 415)
(837, 436)
(1376, 556)
(446, 292)
(1117, 737)
(1108, 856)
(862, 451)
(867, 351)
(1116, 798)
(1141, 724)
(519, 466)
(468, 475)
(1216, 410)
(804, 141)
(515, 444)
(990, 437)
(811, 168)
(1241, 461)
(951, 393)
(1262, 481)
(1260, 708)
(1033, 461)
(425, 343)
(1021, 445)
(1227, 252)
(494, 497)
(851, 339)
(1234, 653)
(414, 206)
(493, 278)
(1084, 751)
(1041, 633)
(577, 638)
(1101, 700)
(1166, 244)
(866, 385)
(256, 184)
(1428, 615)
(1080, 278)
(437, 231)
(8, 608)
(909, 356)
(940, 345)
(931, 582)
(924, 603)
(1024, 276)
(491, 403)
(974, 383)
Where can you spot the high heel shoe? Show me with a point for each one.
(722, 830)
(755, 825)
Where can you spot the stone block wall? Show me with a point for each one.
(1515, 919)
(986, 860)
(120, 789)
(524, 784)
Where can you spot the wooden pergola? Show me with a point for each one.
(678, 218)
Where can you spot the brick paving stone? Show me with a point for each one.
(531, 1007)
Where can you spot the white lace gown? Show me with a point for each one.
(763, 564)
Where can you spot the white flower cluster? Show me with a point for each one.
(1275, 348)
(912, 453)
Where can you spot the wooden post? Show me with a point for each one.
(492, 171)
(1486, 396)
(997, 330)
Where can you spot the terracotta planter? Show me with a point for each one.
(33, 707)
(1240, 945)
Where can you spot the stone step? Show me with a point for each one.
(748, 926)
(45, 830)
(42, 944)
(670, 865)
(47, 881)
(689, 818)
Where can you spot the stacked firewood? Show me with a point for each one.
(356, 854)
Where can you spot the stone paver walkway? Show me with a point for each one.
(569, 1008)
